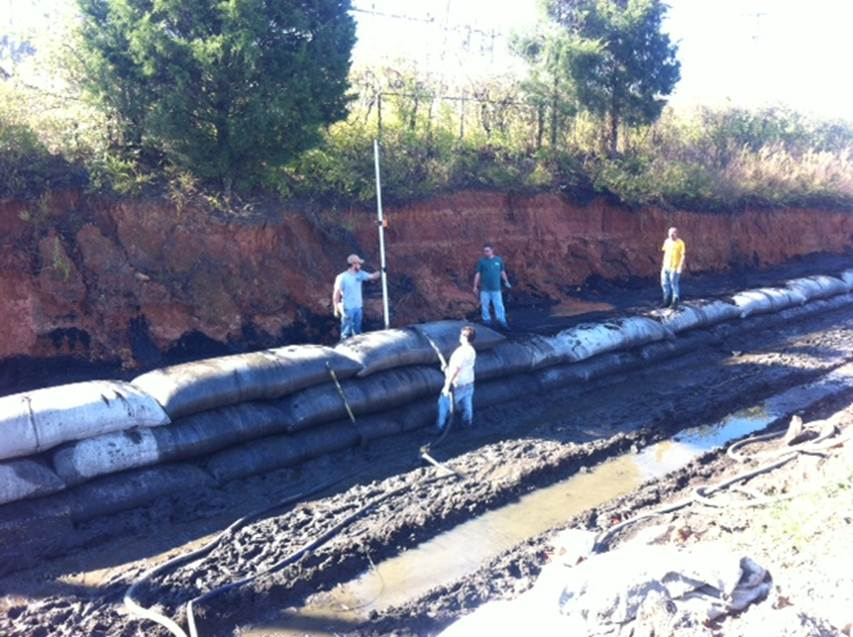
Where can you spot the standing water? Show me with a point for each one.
(465, 548)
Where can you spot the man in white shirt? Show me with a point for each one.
(459, 382)
(346, 296)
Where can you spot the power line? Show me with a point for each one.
(463, 28)
(757, 15)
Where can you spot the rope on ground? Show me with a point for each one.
(438, 465)
(702, 494)
(732, 451)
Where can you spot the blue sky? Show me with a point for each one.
(744, 52)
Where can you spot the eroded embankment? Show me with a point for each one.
(518, 446)
(124, 282)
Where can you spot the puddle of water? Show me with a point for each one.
(464, 548)
(573, 307)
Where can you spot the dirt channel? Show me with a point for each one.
(802, 539)
(513, 449)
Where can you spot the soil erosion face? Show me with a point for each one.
(514, 448)
(126, 281)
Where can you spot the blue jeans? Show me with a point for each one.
(494, 298)
(669, 280)
(463, 402)
(351, 322)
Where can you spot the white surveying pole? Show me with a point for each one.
(380, 221)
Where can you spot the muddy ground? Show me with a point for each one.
(803, 540)
(513, 449)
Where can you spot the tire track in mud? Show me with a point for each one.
(517, 448)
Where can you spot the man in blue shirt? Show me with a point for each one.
(346, 296)
(487, 283)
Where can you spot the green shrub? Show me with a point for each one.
(27, 167)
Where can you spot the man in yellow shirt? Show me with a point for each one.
(673, 263)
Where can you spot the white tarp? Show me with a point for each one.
(385, 390)
(445, 336)
(698, 314)
(387, 349)
(216, 382)
(629, 591)
(765, 300)
(109, 453)
(818, 287)
(189, 437)
(42, 419)
(129, 489)
(818, 306)
(585, 341)
(415, 345)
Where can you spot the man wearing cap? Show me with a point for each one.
(673, 263)
(346, 297)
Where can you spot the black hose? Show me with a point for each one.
(299, 553)
(146, 613)
(136, 609)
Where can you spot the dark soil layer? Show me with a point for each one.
(513, 449)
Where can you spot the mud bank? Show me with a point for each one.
(517, 447)
(134, 283)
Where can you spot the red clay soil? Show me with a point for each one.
(92, 278)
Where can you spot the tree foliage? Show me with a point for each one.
(224, 88)
(436, 137)
(621, 63)
(549, 87)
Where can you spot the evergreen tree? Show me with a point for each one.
(223, 88)
(621, 63)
